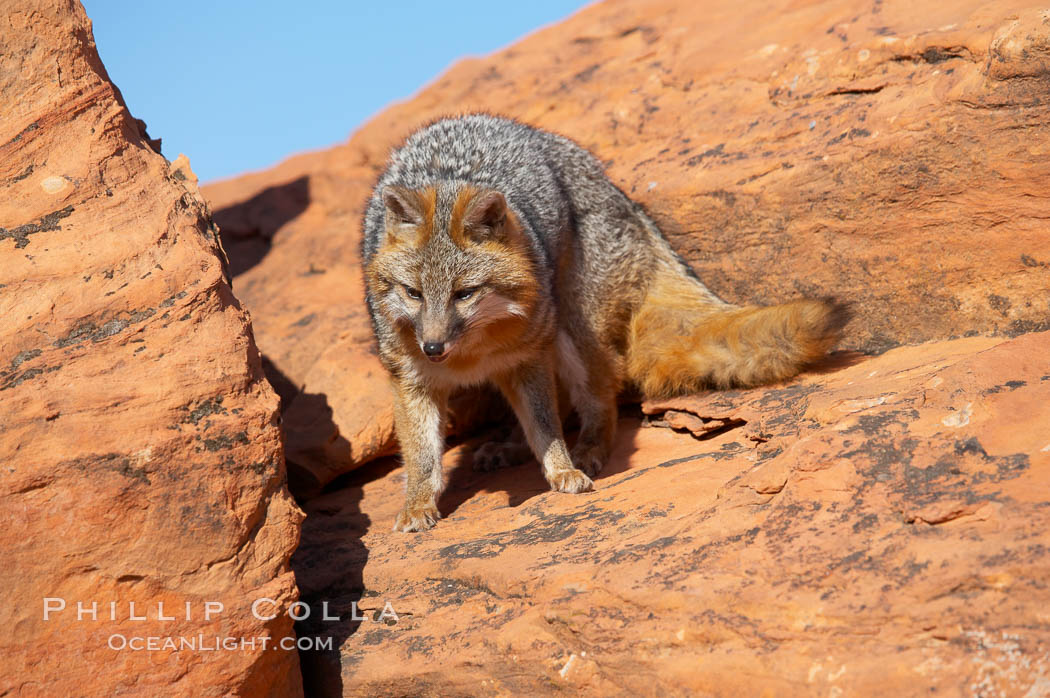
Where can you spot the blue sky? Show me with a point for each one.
(239, 85)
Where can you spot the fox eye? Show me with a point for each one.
(413, 293)
(465, 293)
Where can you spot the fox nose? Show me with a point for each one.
(433, 349)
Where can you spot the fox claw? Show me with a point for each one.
(416, 519)
(589, 459)
(570, 481)
(497, 455)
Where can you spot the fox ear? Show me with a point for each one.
(487, 209)
(487, 216)
(404, 210)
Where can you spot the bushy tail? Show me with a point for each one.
(682, 340)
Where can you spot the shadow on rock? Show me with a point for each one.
(310, 434)
(837, 361)
(317, 451)
(330, 558)
(281, 384)
(247, 228)
(523, 480)
(328, 569)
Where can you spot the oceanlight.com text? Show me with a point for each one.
(213, 643)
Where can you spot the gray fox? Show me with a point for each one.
(497, 252)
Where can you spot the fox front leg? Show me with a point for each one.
(419, 417)
(589, 376)
(530, 390)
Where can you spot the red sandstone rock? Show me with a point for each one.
(878, 530)
(141, 458)
(890, 154)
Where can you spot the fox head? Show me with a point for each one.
(454, 271)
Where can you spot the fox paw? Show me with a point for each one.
(416, 518)
(495, 455)
(589, 459)
(571, 481)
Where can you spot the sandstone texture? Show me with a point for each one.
(876, 527)
(879, 529)
(890, 153)
(139, 443)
